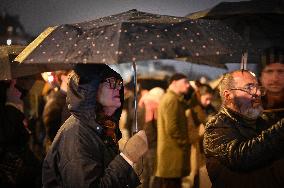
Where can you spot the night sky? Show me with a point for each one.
(36, 15)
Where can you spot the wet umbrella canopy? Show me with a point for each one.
(259, 22)
(10, 69)
(130, 37)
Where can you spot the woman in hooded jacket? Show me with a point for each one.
(85, 150)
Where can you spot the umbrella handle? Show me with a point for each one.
(135, 98)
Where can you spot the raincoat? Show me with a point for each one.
(172, 141)
(81, 154)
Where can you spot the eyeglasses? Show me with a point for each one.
(252, 89)
(114, 83)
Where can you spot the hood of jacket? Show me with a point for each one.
(82, 91)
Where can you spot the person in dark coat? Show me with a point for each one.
(18, 165)
(241, 148)
(85, 152)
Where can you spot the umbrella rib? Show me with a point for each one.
(30, 48)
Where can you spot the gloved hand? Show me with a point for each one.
(136, 146)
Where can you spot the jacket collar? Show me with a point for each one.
(238, 118)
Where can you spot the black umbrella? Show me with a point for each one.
(130, 37)
(259, 22)
(10, 69)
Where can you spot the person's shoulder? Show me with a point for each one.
(218, 120)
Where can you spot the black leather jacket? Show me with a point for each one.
(243, 153)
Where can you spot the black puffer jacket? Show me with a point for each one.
(81, 155)
(243, 153)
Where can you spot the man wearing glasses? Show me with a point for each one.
(241, 148)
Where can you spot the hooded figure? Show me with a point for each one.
(84, 152)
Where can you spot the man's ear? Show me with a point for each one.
(227, 95)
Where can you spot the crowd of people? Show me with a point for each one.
(183, 139)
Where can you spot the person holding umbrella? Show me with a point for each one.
(85, 151)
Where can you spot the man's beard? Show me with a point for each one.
(249, 110)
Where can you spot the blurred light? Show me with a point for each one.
(9, 41)
(50, 77)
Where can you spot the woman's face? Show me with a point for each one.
(108, 95)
